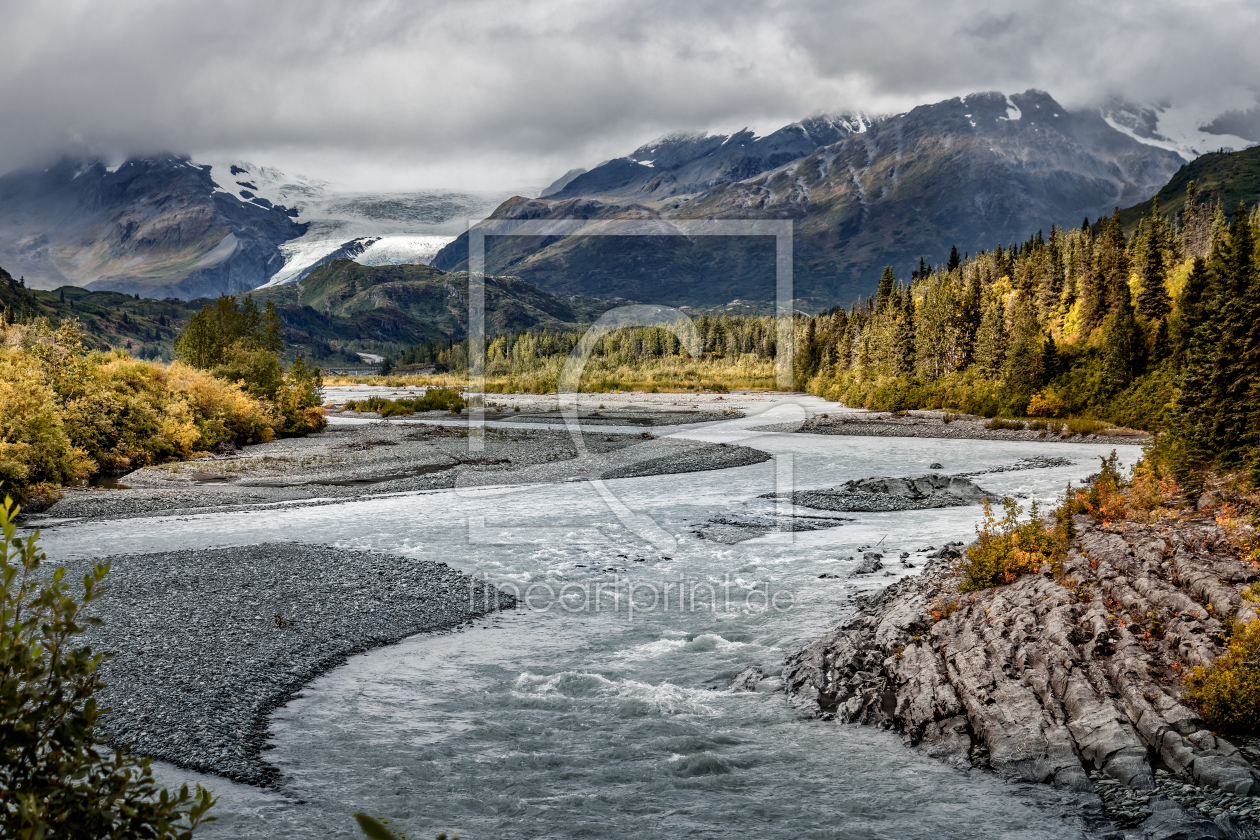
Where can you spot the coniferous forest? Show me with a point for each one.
(1155, 328)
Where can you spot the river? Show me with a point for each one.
(567, 721)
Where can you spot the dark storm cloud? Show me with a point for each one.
(467, 88)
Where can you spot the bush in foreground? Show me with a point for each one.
(55, 782)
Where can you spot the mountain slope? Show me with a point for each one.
(157, 226)
(965, 172)
(339, 310)
(169, 226)
(1229, 177)
(343, 305)
(680, 164)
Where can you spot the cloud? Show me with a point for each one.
(474, 93)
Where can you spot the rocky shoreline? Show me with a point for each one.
(1071, 679)
(207, 643)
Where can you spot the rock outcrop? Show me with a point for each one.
(1052, 676)
(914, 492)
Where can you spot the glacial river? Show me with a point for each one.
(567, 721)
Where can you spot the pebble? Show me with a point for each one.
(1129, 807)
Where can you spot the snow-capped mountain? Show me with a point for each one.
(1190, 129)
(406, 228)
(972, 172)
(683, 164)
(170, 226)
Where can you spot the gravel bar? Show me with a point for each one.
(361, 460)
(207, 643)
(934, 424)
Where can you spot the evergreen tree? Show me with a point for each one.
(1023, 365)
(903, 348)
(990, 353)
(969, 314)
(1121, 346)
(1050, 365)
(1109, 280)
(887, 285)
(1227, 430)
(1153, 301)
(954, 261)
(1161, 348)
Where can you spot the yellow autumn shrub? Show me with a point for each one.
(36, 453)
(1007, 548)
(66, 413)
(1228, 691)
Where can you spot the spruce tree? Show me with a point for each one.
(903, 352)
(1049, 359)
(969, 313)
(954, 261)
(1228, 431)
(887, 285)
(1121, 346)
(1161, 348)
(1023, 365)
(1110, 277)
(991, 340)
(1153, 301)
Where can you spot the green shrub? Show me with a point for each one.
(999, 423)
(441, 399)
(435, 399)
(1085, 426)
(259, 372)
(55, 782)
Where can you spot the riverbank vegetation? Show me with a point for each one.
(645, 359)
(68, 413)
(55, 780)
(1155, 331)
(1227, 691)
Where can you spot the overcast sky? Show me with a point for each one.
(480, 94)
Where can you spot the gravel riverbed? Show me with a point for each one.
(207, 643)
(938, 424)
(362, 459)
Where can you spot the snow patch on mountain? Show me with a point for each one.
(1179, 127)
(404, 250)
(371, 228)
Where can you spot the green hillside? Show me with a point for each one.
(1227, 177)
(344, 307)
(336, 312)
(144, 327)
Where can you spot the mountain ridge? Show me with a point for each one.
(967, 172)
